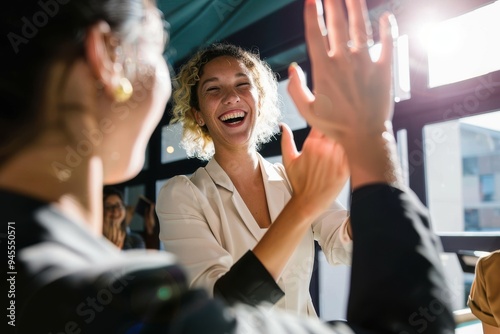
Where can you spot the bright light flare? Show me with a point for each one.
(464, 47)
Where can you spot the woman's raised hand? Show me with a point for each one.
(352, 93)
(318, 173)
(114, 232)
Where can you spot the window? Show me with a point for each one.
(471, 217)
(401, 67)
(291, 115)
(469, 166)
(170, 144)
(462, 166)
(132, 194)
(464, 47)
(487, 184)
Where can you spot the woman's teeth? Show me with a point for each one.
(233, 117)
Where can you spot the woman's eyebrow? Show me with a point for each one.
(208, 80)
(214, 79)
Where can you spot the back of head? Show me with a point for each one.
(37, 34)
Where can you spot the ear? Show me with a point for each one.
(100, 51)
(198, 116)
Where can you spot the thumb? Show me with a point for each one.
(315, 134)
(298, 90)
(288, 147)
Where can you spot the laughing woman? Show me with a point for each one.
(241, 226)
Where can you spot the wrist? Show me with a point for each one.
(373, 157)
(304, 210)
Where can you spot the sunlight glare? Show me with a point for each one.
(464, 47)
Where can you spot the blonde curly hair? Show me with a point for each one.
(195, 139)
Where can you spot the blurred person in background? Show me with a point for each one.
(484, 298)
(116, 221)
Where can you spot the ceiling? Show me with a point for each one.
(275, 27)
(196, 23)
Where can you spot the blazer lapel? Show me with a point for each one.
(219, 176)
(221, 179)
(278, 191)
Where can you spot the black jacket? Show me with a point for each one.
(67, 281)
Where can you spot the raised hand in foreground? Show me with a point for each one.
(351, 100)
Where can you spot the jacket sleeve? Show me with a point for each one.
(330, 230)
(145, 293)
(249, 282)
(397, 280)
(184, 231)
(484, 300)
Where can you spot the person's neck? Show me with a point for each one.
(241, 164)
(45, 173)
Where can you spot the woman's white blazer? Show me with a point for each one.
(206, 224)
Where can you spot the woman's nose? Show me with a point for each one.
(231, 96)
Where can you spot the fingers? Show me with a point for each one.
(315, 134)
(343, 81)
(152, 210)
(339, 31)
(342, 158)
(300, 93)
(360, 28)
(297, 88)
(388, 33)
(315, 29)
(327, 155)
(288, 147)
(334, 149)
(336, 22)
(342, 170)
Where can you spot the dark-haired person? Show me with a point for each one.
(70, 121)
(116, 220)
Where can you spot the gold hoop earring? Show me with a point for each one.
(124, 90)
